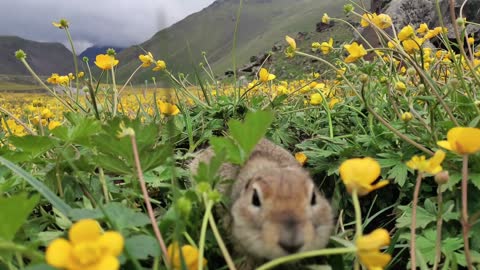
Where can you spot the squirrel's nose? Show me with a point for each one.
(290, 247)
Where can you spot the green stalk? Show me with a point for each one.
(465, 223)
(203, 232)
(69, 37)
(13, 247)
(358, 221)
(115, 94)
(413, 225)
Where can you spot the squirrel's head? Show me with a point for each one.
(280, 212)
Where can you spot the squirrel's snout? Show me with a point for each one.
(291, 237)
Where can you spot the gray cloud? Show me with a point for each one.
(100, 22)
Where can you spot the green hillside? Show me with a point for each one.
(262, 24)
(45, 58)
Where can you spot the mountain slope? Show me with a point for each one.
(45, 58)
(262, 23)
(92, 52)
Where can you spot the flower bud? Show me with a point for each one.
(85, 59)
(421, 87)
(20, 54)
(203, 187)
(111, 52)
(461, 22)
(363, 78)
(184, 205)
(411, 71)
(348, 8)
(453, 82)
(442, 177)
(406, 117)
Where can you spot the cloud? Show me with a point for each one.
(105, 22)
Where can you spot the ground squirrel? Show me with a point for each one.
(275, 208)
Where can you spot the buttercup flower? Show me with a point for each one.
(327, 47)
(431, 165)
(325, 18)
(360, 173)
(53, 124)
(462, 140)
(88, 248)
(105, 61)
(190, 256)
(368, 249)
(264, 76)
(80, 74)
(147, 59)
(406, 33)
(301, 157)
(290, 51)
(406, 116)
(365, 17)
(61, 24)
(160, 65)
(382, 21)
(400, 86)
(422, 29)
(355, 52)
(167, 108)
(316, 99)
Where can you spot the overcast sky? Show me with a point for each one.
(100, 22)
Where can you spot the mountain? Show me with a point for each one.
(262, 24)
(45, 58)
(93, 51)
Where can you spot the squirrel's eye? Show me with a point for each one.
(313, 200)
(255, 199)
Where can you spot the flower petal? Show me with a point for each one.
(84, 230)
(112, 242)
(108, 263)
(445, 144)
(58, 253)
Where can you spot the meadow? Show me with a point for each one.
(98, 178)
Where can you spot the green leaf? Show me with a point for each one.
(14, 211)
(233, 151)
(423, 217)
(142, 246)
(39, 186)
(398, 173)
(42, 266)
(77, 214)
(35, 145)
(125, 217)
(249, 133)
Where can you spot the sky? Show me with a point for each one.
(93, 22)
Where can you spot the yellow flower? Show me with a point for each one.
(88, 248)
(360, 173)
(435, 32)
(53, 124)
(355, 52)
(291, 42)
(160, 65)
(325, 18)
(167, 108)
(470, 40)
(431, 165)
(365, 17)
(406, 116)
(400, 86)
(80, 74)
(70, 76)
(147, 59)
(422, 29)
(382, 21)
(315, 46)
(301, 157)
(290, 51)
(12, 128)
(63, 80)
(53, 79)
(326, 47)
(333, 101)
(368, 249)
(316, 99)
(411, 45)
(61, 24)
(105, 61)
(406, 33)
(190, 256)
(462, 140)
(264, 76)
(46, 113)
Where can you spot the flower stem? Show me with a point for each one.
(221, 244)
(69, 37)
(308, 254)
(13, 247)
(413, 225)
(101, 176)
(438, 242)
(465, 223)
(358, 221)
(115, 94)
(143, 186)
(203, 232)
